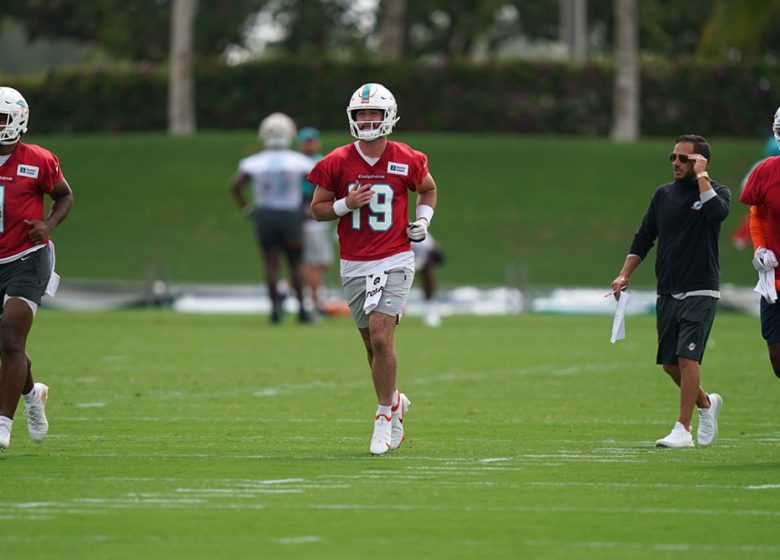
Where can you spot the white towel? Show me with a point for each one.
(766, 285)
(619, 322)
(54, 279)
(375, 284)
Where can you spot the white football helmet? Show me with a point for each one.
(372, 96)
(15, 107)
(776, 127)
(277, 131)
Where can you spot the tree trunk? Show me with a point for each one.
(181, 85)
(573, 24)
(392, 29)
(625, 103)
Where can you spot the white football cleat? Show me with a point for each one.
(5, 433)
(37, 424)
(380, 441)
(399, 410)
(431, 318)
(678, 438)
(708, 420)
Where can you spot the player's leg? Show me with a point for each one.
(382, 323)
(271, 260)
(14, 328)
(267, 234)
(384, 363)
(770, 330)
(365, 334)
(313, 277)
(317, 257)
(355, 292)
(294, 263)
(23, 284)
(774, 357)
(293, 244)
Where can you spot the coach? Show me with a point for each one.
(685, 217)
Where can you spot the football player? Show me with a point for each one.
(762, 193)
(27, 173)
(365, 186)
(275, 175)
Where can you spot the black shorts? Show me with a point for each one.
(683, 326)
(770, 321)
(26, 277)
(281, 229)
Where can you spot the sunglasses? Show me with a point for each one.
(682, 157)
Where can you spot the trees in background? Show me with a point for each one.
(442, 30)
(423, 31)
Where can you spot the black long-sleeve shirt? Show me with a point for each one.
(687, 231)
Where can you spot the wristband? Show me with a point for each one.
(340, 207)
(703, 175)
(424, 211)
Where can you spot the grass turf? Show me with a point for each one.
(557, 211)
(176, 436)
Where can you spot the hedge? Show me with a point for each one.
(521, 97)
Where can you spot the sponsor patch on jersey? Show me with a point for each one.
(2, 178)
(397, 168)
(697, 205)
(27, 171)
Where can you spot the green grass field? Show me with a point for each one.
(176, 436)
(560, 211)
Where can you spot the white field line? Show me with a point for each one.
(95, 506)
(539, 509)
(665, 547)
(306, 539)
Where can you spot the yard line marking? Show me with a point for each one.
(299, 540)
(750, 548)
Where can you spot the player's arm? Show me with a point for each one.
(62, 197)
(426, 203)
(758, 226)
(426, 192)
(325, 206)
(763, 257)
(237, 188)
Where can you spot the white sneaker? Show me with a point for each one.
(399, 410)
(677, 439)
(37, 424)
(380, 441)
(431, 318)
(708, 420)
(5, 435)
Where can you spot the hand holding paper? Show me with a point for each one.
(619, 324)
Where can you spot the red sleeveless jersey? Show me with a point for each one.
(378, 230)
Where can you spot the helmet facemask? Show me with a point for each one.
(14, 108)
(776, 127)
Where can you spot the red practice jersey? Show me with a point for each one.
(30, 172)
(763, 189)
(378, 230)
